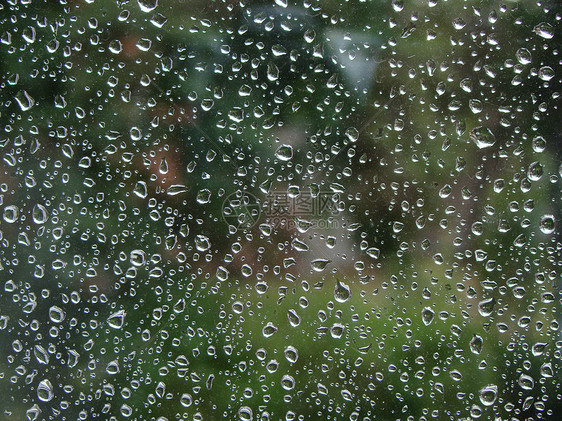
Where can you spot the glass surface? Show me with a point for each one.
(280, 210)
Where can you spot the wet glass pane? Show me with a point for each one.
(280, 210)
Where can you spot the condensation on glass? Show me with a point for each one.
(280, 210)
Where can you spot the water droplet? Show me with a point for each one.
(299, 245)
(456, 375)
(39, 214)
(341, 292)
(482, 137)
(486, 307)
(476, 344)
(24, 100)
(488, 394)
(291, 354)
(245, 413)
(41, 354)
(45, 391)
(284, 152)
(526, 382)
(175, 189)
(352, 134)
(269, 330)
(535, 171)
(294, 319)
(141, 189)
(547, 224)
(115, 46)
(137, 257)
(246, 270)
(186, 400)
(112, 367)
(319, 265)
(427, 316)
(546, 73)
(202, 243)
(147, 5)
(116, 320)
(309, 35)
(546, 370)
(11, 213)
(459, 23)
(203, 196)
(287, 382)
(524, 56)
(538, 349)
(222, 273)
(544, 30)
(337, 330)
(57, 314)
(135, 133)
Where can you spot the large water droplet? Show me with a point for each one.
(482, 137)
(486, 307)
(319, 265)
(269, 330)
(57, 314)
(284, 152)
(291, 354)
(45, 390)
(294, 319)
(476, 344)
(11, 213)
(544, 30)
(547, 224)
(39, 214)
(337, 330)
(526, 382)
(488, 394)
(116, 319)
(427, 316)
(341, 292)
(24, 100)
(147, 5)
(202, 243)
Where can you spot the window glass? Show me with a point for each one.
(280, 210)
